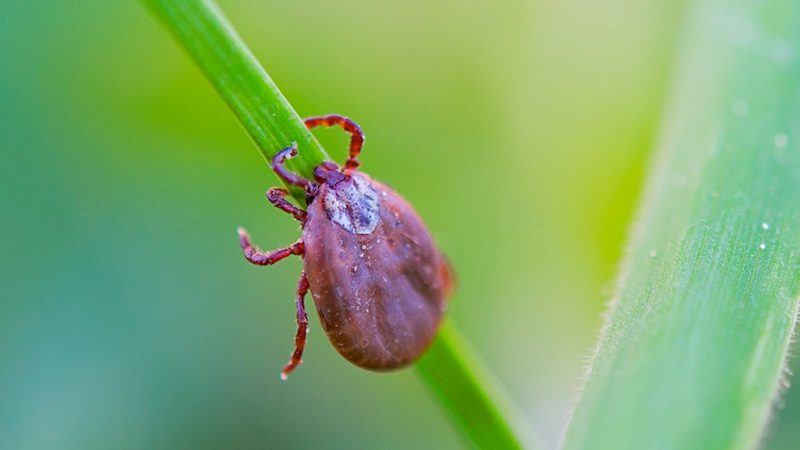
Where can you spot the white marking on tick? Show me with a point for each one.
(353, 204)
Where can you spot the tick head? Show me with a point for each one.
(329, 173)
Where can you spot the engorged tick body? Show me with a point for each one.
(378, 280)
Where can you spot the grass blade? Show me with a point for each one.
(484, 415)
(245, 86)
(695, 345)
(453, 374)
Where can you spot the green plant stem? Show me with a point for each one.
(693, 352)
(263, 111)
(453, 374)
(469, 393)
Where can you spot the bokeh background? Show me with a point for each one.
(128, 319)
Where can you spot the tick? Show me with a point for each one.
(379, 283)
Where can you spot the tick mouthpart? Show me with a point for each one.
(328, 172)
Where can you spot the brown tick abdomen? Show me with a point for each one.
(378, 280)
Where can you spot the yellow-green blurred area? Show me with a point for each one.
(128, 317)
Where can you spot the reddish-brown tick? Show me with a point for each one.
(378, 281)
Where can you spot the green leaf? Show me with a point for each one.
(696, 342)
(455, 376)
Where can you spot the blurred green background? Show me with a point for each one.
(128, 317)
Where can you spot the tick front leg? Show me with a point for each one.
(302, 328)
(356, 135)
(276, 197)
(255, 256)
(278, 166)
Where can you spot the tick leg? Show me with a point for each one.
(285, 175)
(276, 197)
(255, 256)
(356, 135)
(302, 328)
